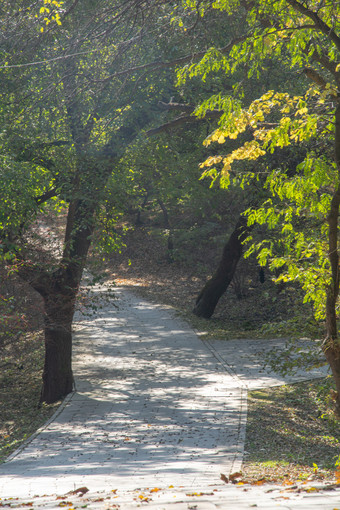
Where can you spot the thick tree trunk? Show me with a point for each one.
(59, 300)
(59, 291)
(213, 290)
(57, 374)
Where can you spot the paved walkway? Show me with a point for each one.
(157, 416)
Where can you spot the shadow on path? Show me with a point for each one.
(153, 406)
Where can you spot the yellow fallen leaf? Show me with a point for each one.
(337, 475)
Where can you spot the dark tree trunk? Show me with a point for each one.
(139, 221)
(215, 287)
(59, 301)
(165, 213)
(57, 374)
(59, 291)
(167, 225)
(331, 344)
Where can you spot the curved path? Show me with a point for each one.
(156, 417)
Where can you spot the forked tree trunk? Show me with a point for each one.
(59, 291)
(215, 287)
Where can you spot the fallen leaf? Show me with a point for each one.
(224, 478)
(234, 476)
(261, 481)
(337, 475)
(144, 499)
(81, 491)
(287, 482)
(155, 489)
(200, 494)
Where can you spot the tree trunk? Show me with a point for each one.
(59, 300)
(59, 291)
(215, 287)
(57, 374)
(331, 344)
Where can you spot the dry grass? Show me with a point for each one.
(21, 364)
(20, 385)
(292, 433)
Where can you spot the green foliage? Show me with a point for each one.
(297, 212)
(18, 203)
(298, 201)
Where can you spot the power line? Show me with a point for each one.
(41, 62)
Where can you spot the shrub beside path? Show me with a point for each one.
(157, 416)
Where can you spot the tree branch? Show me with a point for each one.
(315, 77)
(319, 23)
(155, 65)
(183, 119)
(46, 196)
(326, 63)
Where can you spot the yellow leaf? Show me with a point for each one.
(337, 475)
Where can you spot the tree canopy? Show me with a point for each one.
(86, 90)
(304, 203)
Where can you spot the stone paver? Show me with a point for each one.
(155, 408)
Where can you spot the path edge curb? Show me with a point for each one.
(31, 438)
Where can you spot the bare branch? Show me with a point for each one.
(183, 119)
(155, 65)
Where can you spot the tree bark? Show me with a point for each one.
(215, 287)
(57, 374)
(59, 291)
(331, 344)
